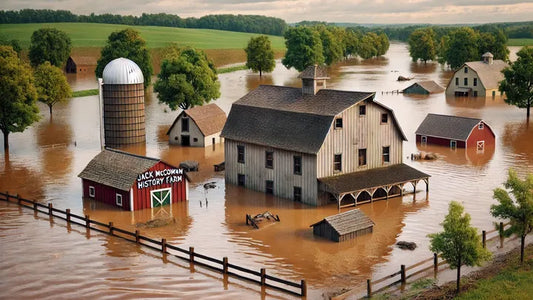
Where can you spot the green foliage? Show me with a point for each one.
(304, 48)
(187, 79)
(259, 55)
(518, 81)
(423, 44)
(51, 84)
(14, 44)
(494, 42)
(49, 44)
(331, 44)
(129, 44)
(517, 209)
(462, 46)
(18, 109)
(459, 244)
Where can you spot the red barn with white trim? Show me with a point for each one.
(133, 182)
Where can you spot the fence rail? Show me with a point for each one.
(294, 288)
(370, 284)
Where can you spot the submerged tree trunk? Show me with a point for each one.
(6, 140)
(50, 107)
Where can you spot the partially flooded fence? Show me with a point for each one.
(424, 266)
(260, 277)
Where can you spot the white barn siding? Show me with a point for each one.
(282, 173)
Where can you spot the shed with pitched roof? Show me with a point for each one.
(344, 226)
(423, 87)
(199, 126)
(80, 64)
(133, 182)
(455, 132)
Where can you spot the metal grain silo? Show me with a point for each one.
(122, 98)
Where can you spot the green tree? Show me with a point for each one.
(186, 79)
(494, 42)
(518, 208)
(51, 84)
(459, 244)
(49, 44)
(129, 44)
(423, 44)
(462, 46)
(518, 81)
(382, 44)
(368, 46)
(18, 109)
(15, 44)
(259, 55)
(331, 45)
(304, 48)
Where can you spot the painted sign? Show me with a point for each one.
(158, 177)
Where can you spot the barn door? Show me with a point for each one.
(161, 197)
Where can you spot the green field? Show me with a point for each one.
(95, 35)
(520, 42)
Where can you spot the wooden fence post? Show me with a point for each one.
(225, 265)
(137, 238)
(111, 228)
(304, 288)
(263, 278)
(435, 263)
(164, 245)
(191, 254)
(402, 273)
(35, 206)
(68, 215)
(7, 196)
(484, 238)
(50, 209)
(368, 288)
(87, 221)
(18, 199)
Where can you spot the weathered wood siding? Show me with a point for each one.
(324, 229)
(281, 174)
(360, 132)
(194, 132)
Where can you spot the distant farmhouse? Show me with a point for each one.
(307, 144)
(423, 88)
(477, 78)
(455, 132)
(80, 64)
(199, 126)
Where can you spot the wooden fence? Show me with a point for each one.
(423, 266)
(223, 266)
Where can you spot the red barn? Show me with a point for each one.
(133, 182)
(455, 132)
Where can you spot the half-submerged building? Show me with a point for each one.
(315, 144)
(199, 126)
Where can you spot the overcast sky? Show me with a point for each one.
(353, 11)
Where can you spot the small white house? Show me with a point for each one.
(199, 126)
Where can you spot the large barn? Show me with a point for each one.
(290, 142)
(455, 132)
(133, 182)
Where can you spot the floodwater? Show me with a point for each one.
(47, 259)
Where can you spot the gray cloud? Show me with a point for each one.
(359, 11)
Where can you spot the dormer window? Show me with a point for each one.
(338, 123)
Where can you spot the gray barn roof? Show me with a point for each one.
(116, 168)
(450, 127)
(490, 75)
(347, 222)
(430, 86)
(284, 118)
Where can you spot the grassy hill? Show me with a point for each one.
(95, 35)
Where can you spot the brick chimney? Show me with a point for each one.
(313, 79)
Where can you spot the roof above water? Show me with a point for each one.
(449, 127)
(122, 71)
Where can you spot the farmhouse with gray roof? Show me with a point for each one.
(477, 78)
(455, 132)
(285, 141)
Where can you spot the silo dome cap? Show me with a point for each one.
(122, 71)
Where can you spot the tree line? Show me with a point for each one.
(240, 23)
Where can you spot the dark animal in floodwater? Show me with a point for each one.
(210, 185)
(406, 245)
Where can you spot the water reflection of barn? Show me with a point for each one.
(310, 144)
(133, 182)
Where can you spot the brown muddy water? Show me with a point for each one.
(43, 259)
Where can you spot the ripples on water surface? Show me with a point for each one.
(47, 260)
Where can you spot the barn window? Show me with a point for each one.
(456, 80)
(240, 179)
(337, 162)
(269, 159)
(269, 189)
(465, 81)
(185, 125)
(362, 157)
(475, 81)
(466, 70)
(386, 154)
(195, 140)
(480, 126)
(297, 193)
(424, 139)
(338, 123)
(362, 110)
(475, 93)
(297, 164)
(91, 191)
(480, 145)
(118, 199)
(240, 154)
(453, 144)
(384, 118)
